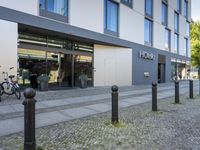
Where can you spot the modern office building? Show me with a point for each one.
(123, 42)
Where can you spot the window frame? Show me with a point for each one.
(186, 9)
(48, 14)
(176, 30)
(187, 28)
(106, 30)
(176, 51)
(165, 16)
(145, 12)
(149, 43)
(129, 4)
(186, 46)
(169, 38)
(179, 6)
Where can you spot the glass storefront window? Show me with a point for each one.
(179, 69)
(62, 60)
(32, 63)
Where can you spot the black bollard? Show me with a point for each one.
(154, 97)
(29, 119)
(177, 99)
(191, 89)
(115, 118)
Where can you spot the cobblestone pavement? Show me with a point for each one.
(173, 127)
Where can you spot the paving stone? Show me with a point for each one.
(78, 112)
(6, 109)
(50, 118)
(99, 107)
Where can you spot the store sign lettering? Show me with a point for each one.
(146, 55)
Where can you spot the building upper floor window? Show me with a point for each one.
(176, 43)
(186, 9)
(178, 6)
(148, 32)
(164, 14)
(54, 6)
(176, 22)
(149, 8)
(111, 17)
(167, 39)
(185, 46)
(127, 2)
(187, 29)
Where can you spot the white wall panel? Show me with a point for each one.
(157, 11)
(8, 42)
(181, 46)
(27, 6)
(158, 36)
(87, 14)
(131, 25)
(171, 19)
(172, 4)
(182, 25)
(138, 6)
(113, 65)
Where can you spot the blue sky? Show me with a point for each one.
(196, 10)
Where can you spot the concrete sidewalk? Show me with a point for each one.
(50, 112)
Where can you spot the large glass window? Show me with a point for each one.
(63, 67)
(148, 33)
(187, 29)
(164, 13)
(111, 18)
(149, 8)
(176, 22)
(186, 9)
(55, 6)
(178, 5)
(167, 39)
(176, 43)
(127, 2)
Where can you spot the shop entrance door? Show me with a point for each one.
(161, 73)
(161, 68)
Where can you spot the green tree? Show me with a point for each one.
(195, 42)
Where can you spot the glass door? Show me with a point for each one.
(83, 65)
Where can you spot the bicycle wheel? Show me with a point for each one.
(17, 92)
(7, 88)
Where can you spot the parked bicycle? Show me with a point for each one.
(9, 86)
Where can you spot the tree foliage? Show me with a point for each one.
(195, 41)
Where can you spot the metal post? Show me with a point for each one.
(154, 97)
(177, 100)
(29, 119)
(115, 118)
(191, 89)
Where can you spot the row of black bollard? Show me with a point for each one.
(29, 110)
(177, 97)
